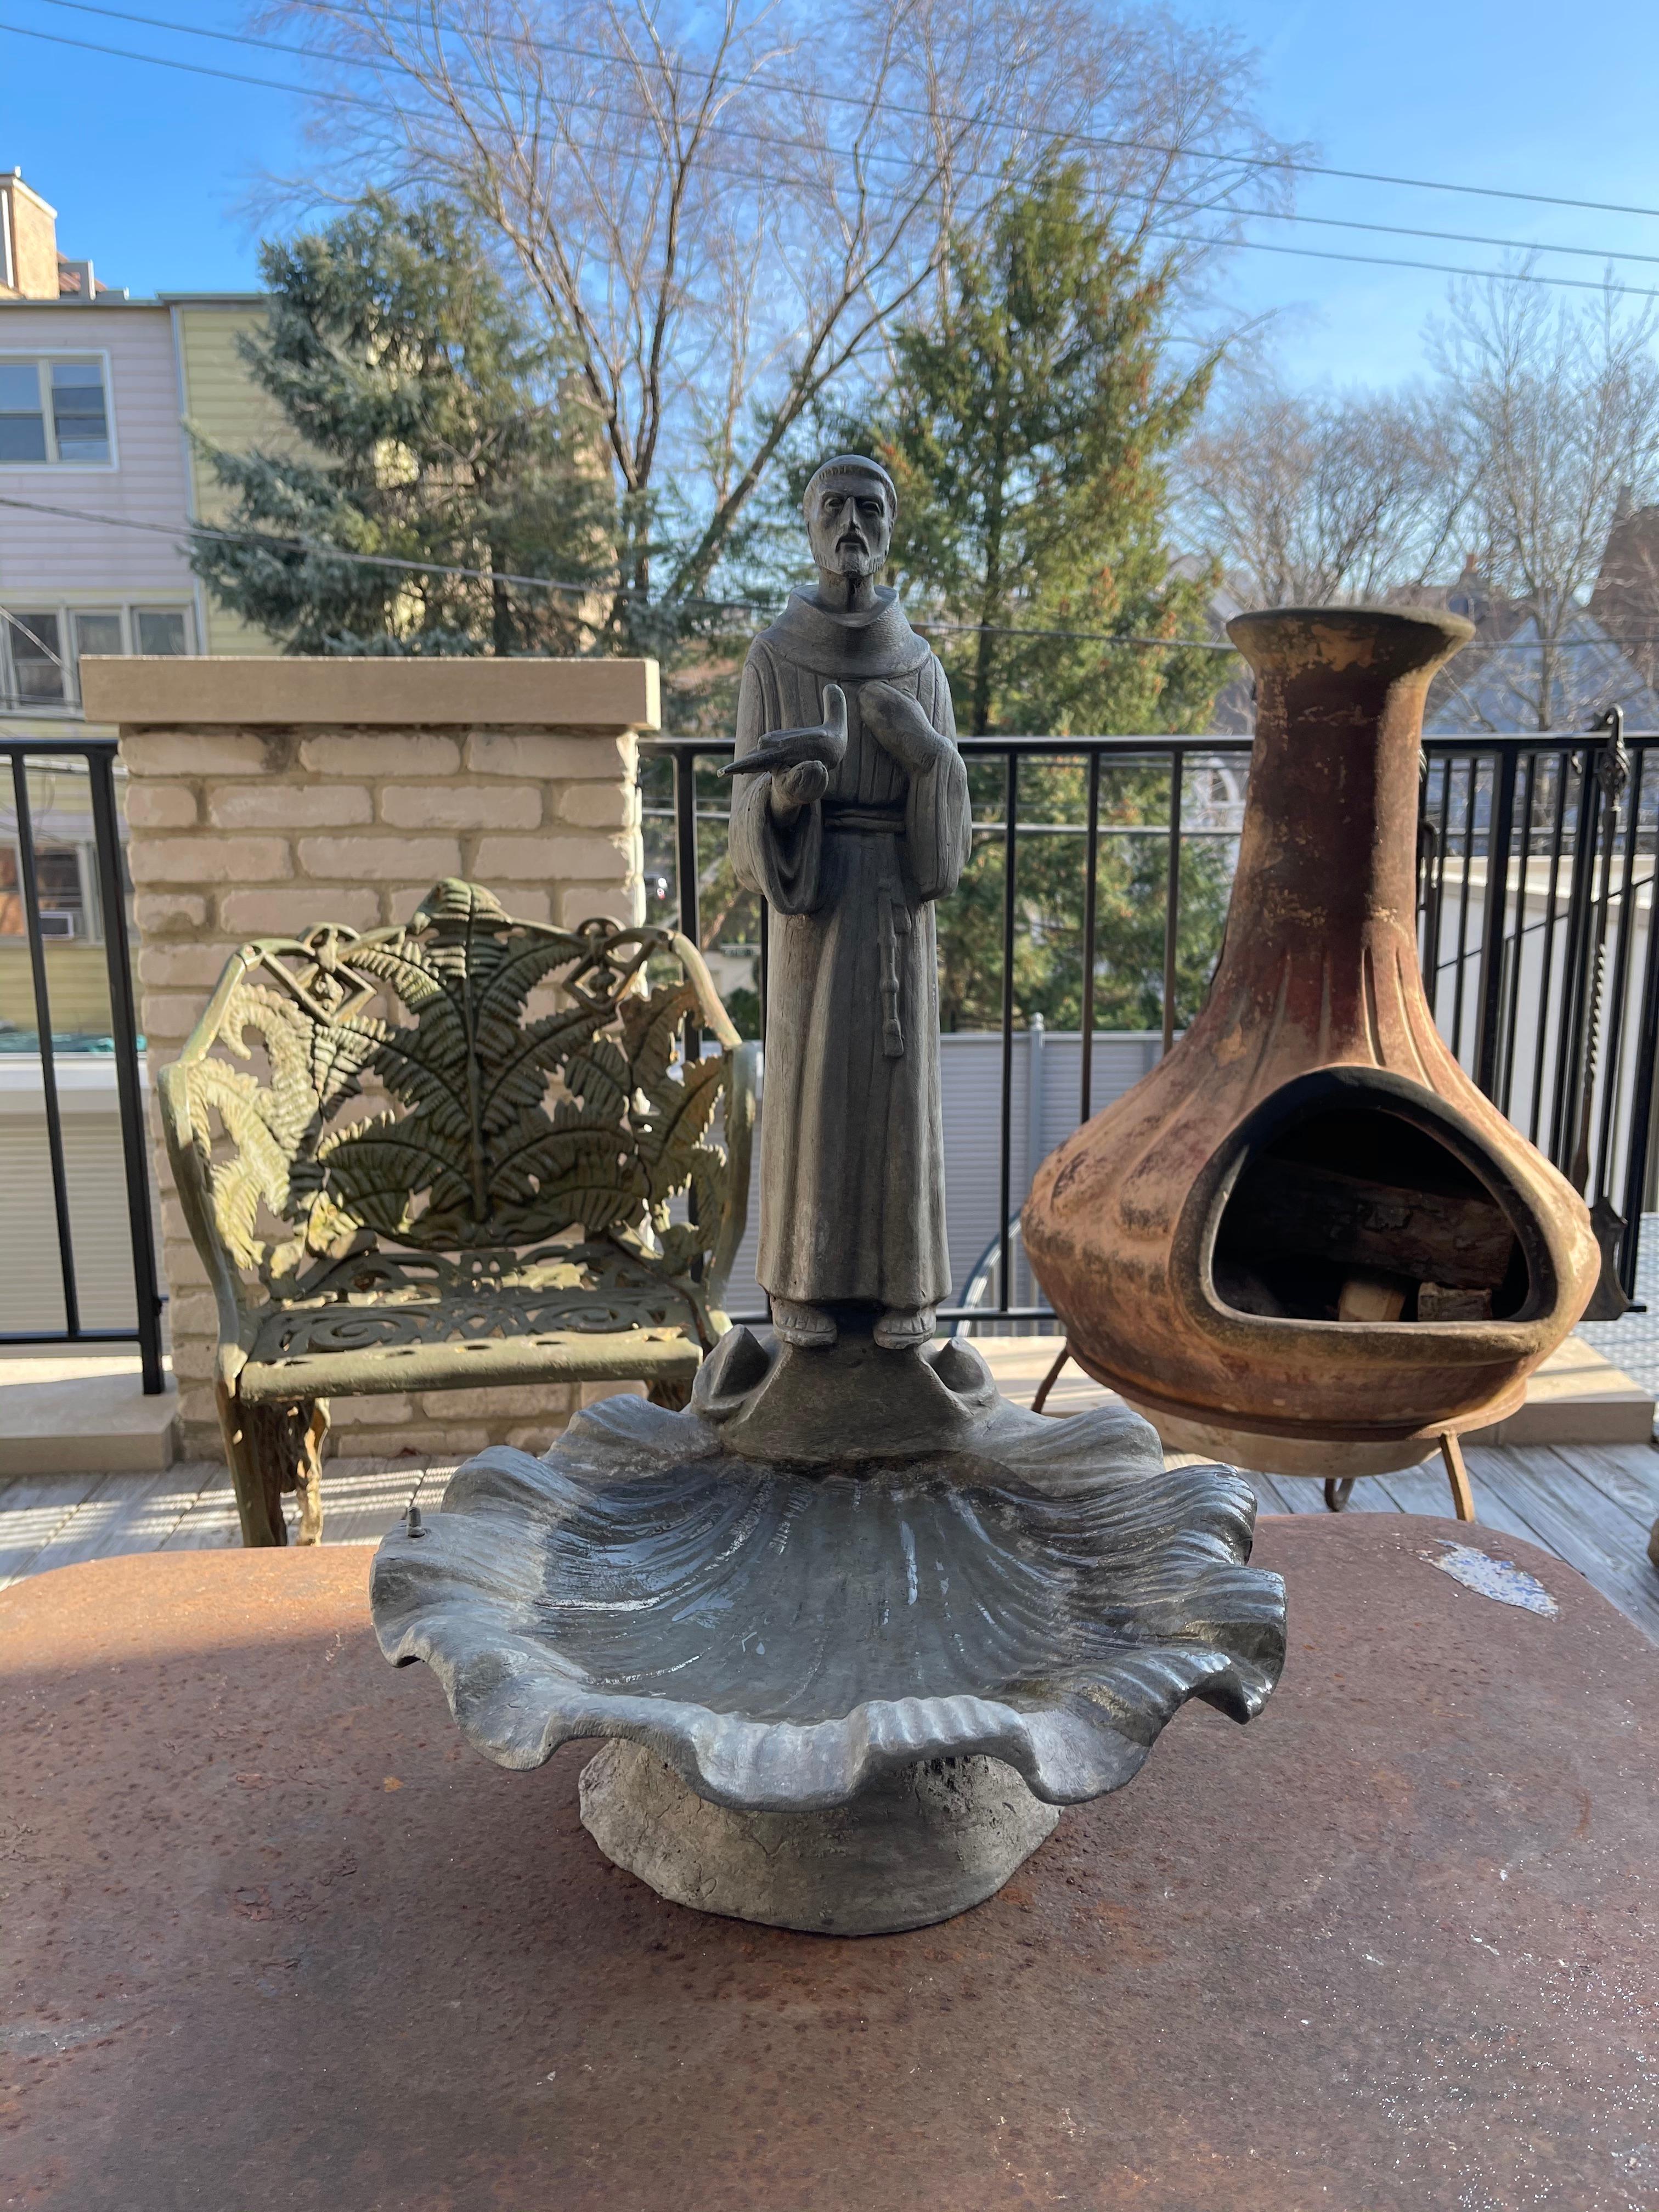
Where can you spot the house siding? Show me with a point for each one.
(224, 406)
(42, 556)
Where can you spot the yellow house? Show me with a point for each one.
(221, 402)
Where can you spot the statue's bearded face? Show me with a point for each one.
(850, 525)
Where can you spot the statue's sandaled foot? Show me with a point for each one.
(809, 1326)
(902, 1328)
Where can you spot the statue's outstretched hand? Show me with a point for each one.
(900, 728)
(793, 788)
(799, 762)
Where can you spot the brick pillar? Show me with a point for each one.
(266, 796)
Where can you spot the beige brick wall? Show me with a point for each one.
(244, 825)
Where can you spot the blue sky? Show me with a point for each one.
(1524, 97)
(148, 168)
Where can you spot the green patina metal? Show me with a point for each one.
(401, 1174)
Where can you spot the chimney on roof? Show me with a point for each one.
(28, 241)
(1625, 599)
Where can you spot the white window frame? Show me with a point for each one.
(44, 357)
(15, 702)
(91, 931)
(126, 606)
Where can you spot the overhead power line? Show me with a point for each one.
(261, 540)
(1172, 237)
(1102, 140)
(273, 543)
(1173, 204)
(1131, 641)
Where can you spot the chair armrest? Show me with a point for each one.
(713, 1013)
(187, 1158)
(742, 1067)
(196, 1197)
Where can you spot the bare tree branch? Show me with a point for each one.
(1556, 407)
(1308, 500)
(719, 213)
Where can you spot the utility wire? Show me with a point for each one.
(259, 539)
(927, 623)
(1096, 139)
(638, 115)
(276, 544)
(1242, 245)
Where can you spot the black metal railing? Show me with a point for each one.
(1536, 899)
(94, 905)
(1536, 908)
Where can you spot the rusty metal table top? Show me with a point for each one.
(273, 1937)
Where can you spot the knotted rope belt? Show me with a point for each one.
(892, 909)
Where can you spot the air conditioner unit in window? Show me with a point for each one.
(57, 925)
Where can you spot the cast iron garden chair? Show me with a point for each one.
(400, 1176)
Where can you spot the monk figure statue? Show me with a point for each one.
(850, 816)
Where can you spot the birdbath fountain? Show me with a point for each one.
(850, 1628)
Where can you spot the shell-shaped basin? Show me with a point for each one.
(780, 1634)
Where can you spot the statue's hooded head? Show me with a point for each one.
(850, 507)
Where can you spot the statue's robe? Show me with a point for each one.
(852, 1137)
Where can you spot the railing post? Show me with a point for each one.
(1090, 922)
(1575, 965)
(1437, 839)
(1172, 897)
(1502, 1096)
(685, 868)
(123, 1035)
(1010, 809)
(1611, 772)
(31, 887)
(1499, 830)
(1618, 985)
(1642, 1088)
(1546, 965)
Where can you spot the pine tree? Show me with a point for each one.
(1027, 427)
(434, 434)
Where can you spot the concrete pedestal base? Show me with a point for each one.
(921, 1845)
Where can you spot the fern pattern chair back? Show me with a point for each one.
(373, 1132)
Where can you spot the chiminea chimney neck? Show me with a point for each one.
(1391, 643)
(1328, 856)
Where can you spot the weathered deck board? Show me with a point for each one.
(1625, 1475)
(1575, 1522)
(369, 1496)
(123, 1513)
(211, 1521)
(1426, 1489)
(33, 1509)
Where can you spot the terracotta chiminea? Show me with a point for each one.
(1306, 1242)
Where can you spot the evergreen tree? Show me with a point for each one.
(431, 432)
(1028, 429)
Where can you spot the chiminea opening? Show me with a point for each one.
(1355, 1213)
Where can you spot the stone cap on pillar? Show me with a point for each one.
(140, 691)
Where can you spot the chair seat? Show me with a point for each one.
(379, 1321)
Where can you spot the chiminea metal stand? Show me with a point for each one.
(1339, 1488)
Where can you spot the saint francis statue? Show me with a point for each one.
(851, 816)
